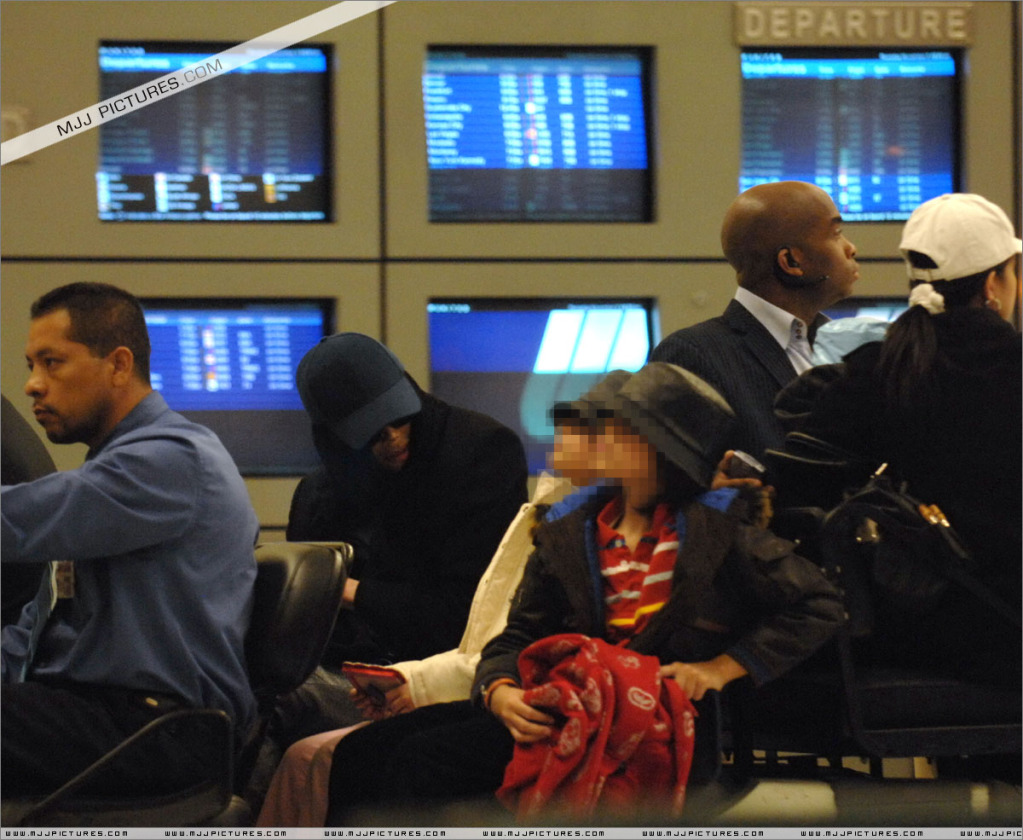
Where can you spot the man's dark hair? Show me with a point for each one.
(103, 318)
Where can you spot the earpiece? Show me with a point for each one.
(792, 280)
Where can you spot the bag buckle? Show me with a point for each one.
(867, 532)
(933, 514)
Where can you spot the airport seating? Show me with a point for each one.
(844, 702)
(297, 596)
(23, 457)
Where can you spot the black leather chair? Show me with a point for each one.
(848, 702)
(23, 457)
(297, 597)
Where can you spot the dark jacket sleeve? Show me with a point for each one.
(425, 612)
(685, 349)
(306, 519)
(742, 591)
(795, 402)
(538, 601)
(798, 608)
(555, 596)
(848, 408)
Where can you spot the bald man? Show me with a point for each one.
(791, 260)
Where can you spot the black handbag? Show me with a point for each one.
(898, 554)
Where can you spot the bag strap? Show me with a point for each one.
(957, 574)
(865, 503)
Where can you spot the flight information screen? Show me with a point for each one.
(252, 145)
(526, 135)
(229, 364)
(513, 358)
(207, 357)
(878, 130)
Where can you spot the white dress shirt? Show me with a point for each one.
(791, 333)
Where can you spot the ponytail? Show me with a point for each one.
(909, 361)
(910, 364)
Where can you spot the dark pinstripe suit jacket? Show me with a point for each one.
(737, 355)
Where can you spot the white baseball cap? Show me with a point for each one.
(963, 233)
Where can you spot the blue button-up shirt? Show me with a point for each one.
(160, 529)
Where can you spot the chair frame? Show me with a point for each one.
(836, 671)
(62, 807)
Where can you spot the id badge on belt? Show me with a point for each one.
(63, 581)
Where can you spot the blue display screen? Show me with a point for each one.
(251, 145)
(878, 130)
(230, 364)
(226, 359)
(514, 358)
(883, 308)
(537, 135)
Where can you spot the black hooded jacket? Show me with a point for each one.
(422, 536)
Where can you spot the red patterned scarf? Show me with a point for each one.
(623, 739)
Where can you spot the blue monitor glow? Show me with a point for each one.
(229, 364)
(252, 145)
(879, 130)
(528, 134)
(882, 307)
(513, 358)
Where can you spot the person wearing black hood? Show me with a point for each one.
(422, 490)
(656, 564)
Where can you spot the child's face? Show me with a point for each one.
(621, 454)
(572, 453)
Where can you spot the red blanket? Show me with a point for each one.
(623, 738)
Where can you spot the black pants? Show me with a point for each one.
(49, 734)
(408, 764)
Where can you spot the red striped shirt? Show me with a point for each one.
(636, 584)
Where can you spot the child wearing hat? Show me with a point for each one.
(297, 795)
(656, 564)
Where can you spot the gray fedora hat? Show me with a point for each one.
(681, 415)
(593, 404)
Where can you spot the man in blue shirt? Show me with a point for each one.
(150, 546)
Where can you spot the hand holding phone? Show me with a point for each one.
(744, 465)
(373, 681)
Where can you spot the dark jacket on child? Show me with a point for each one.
(736, 589)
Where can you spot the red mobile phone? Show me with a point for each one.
(372, 680)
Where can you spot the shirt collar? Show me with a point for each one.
(151, 406)
(777, 321)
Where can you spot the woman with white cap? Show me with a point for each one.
(939, 401)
